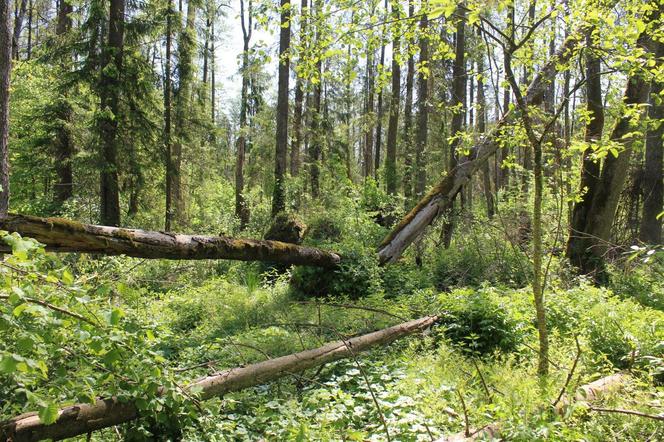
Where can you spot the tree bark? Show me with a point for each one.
(481, 129)
(368, 114)
(61, 235)
(5, 71)
(441, 195)
(379, 114)
(651, 227)
(85, 418)
(281, 149)
(393, 124)
(110, 105)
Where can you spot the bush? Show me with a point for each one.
(479, 323)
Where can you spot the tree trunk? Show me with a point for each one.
(5, 71)
(296, 145)
(281, 150)
(379, 116)
(441, 196)
(590, 169)
(186, 51)
(18, 27)
(110, 105)
(393, 125)
(84, 418)
(61, 235)
(481, 129)
(595, 236)
(408, 117)
(63, 143)
(368, 114)
(423, 109)
(651, 227)
(171, 181)
(241, 209)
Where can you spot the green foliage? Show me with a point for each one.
(479, 322)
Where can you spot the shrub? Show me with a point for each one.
(479, 323)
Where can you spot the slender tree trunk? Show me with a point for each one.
(651, 226)
(368, 114)
(379, 116)
(182, 98)
(296, 145)
(5, 71)
(423, 109)
(63, 143)
(408, 188)
(168, 109)
(213, 85)
(316, 146)
(481, 129)
(30, 15)
(281, 151)
(459, 112)
(393, 125)
(590, 169)
(18, 27)
(110, 105)
(241, 209)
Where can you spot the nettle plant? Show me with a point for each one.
(64, 341)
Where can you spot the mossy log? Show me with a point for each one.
(441, 197)
(83, 418)
(62, 235)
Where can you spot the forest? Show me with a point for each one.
(331, 220)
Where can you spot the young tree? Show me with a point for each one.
(109, 86)
(281, 144)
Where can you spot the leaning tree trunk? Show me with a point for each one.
(441, 196)
(281, 150)
(80, 419)
(5, 71)
(61, 235)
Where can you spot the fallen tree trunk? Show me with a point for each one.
(61, 235)
(586, 393)
(84, 418)
(442, 195)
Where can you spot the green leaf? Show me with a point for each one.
(48, 414)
